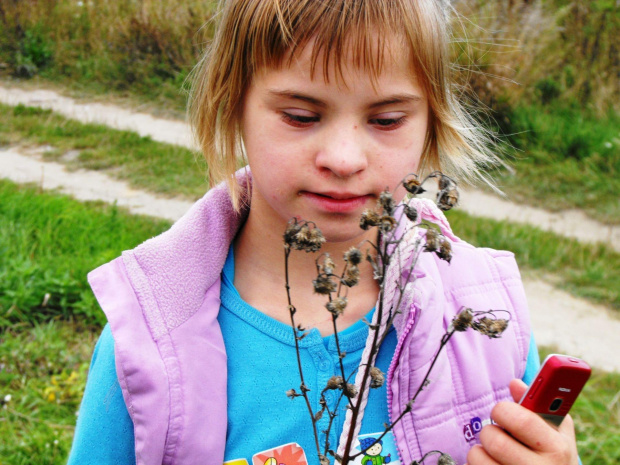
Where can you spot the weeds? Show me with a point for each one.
(48, 243)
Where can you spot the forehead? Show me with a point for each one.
(384, 59)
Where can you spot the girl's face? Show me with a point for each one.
(324, 151)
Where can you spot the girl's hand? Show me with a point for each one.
(522, 437)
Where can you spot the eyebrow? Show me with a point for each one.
(393, 99)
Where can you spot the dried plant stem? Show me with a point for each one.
(334, 318)
(444, 341)
(302, 386)
(373, 354)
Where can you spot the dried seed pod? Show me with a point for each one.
(300, 236)
(463, 320)
(411, 213)
(377, 378)
(445, 250)
(351, 276)
(328, 264)
(353, 256)
(432, 240)
(386, 201)
(490, 327)
(350, 390)
(447, 198)
(445, 459)
(324, 285)
(292, 393)
(336, 306)
(413, 186)
(335, 382)
(369, 219)
(387, 223)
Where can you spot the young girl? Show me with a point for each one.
(330, 102)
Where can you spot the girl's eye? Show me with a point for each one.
(387, 124)
(300, 121)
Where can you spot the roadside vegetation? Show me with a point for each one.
(48, 244)
(155, 166)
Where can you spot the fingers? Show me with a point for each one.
(517, 389)
(502, 448)
(525, 426)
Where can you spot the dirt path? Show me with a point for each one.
(572, 223)
(571, 325)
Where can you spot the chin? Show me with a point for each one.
(341, 233)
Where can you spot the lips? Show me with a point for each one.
(337, 202)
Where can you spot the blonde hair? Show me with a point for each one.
(257, 34)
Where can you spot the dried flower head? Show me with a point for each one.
(377, 378)
(386, 201)
(300, 236)
(463, 320)
(447, 198)
(411, 213)
(369, 219)
(292, 393)
(353, 256)
(432, 240)
(413, 186)
(491, 327)
(387, 223)
(445, 250)
(323, 284)
(336, 306)
(445, 459)
(328, 264)
(335, 382)
(350, 390)
(351, 276)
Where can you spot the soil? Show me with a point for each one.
(568, 324)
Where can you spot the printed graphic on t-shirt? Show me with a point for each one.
(288, 454)
(237, 462)
(382, 452)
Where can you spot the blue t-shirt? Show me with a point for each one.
(260, 416)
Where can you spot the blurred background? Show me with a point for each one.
(543, 74)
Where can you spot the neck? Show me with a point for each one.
(260, 277)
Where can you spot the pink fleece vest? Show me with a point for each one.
(162, 301)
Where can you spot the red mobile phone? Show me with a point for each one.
(556, 387)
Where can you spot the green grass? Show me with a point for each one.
(155, 166)
(586, 270)
(48, 243)
(44, 371)
(565, 157)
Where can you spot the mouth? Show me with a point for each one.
(337, 202)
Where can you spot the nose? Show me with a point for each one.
(343, 152)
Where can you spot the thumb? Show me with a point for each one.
(517, 389)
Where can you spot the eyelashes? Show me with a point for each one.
(300, 121)
(304, 121)
(386, 124)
